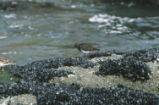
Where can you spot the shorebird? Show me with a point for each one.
(4, 62)
(86, 47)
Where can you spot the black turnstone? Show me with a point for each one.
(86, 47)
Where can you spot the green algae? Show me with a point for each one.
(6, 76)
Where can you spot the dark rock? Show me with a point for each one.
(42, 75)
(109, 67)
(128, 67)
(146, 55)
(35, 76)
(59, 62)
(134, 69)
(42, 70)
(62, 94)
(12, 89)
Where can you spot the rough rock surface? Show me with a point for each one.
(127, 67)
(62, 94)
(39, 79)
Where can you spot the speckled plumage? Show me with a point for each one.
(86, 47)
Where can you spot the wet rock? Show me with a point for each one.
(128, 67)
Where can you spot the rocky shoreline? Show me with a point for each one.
(99, 78)
(109, 77)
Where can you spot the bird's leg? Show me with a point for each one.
(2, 68)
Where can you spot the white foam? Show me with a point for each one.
(9, 16)
(112, 24)
(15, 26)
(99, 18)
(9, 52)
(73, 6)
(3, 37)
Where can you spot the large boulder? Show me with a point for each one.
(154, 1)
